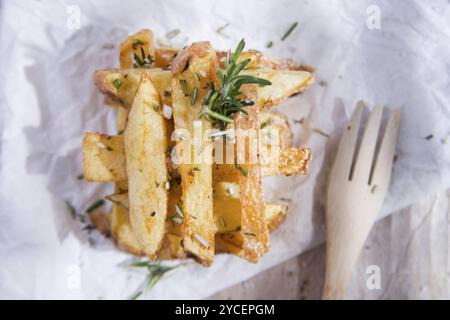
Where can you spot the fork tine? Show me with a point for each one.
(344, 156)
(365, 157)
(383, 165)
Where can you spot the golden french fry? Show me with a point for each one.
(146, 144)
(100, 160)
(196, 176)
(253, 227)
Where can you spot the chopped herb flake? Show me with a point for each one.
(95, 205)
(194, 96)
(71, 208)
(172, 33)
(184, 87)
(289, 31)
(243, 171)
(117, 83)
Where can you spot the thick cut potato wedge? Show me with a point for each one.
(100, 160)
(164, 57)
(227, 207)
(101, 163)
(227, 217)
(285, 83)
(196, 175)
(109, 167)
(253, 227)
(145, 149)
(120, 86)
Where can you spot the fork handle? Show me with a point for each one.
(345, 239)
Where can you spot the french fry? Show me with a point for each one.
(101, 162)
(146, 144)
(164, 56)
(109, 166)
(120, 86)
(164, 210)
(254, 230)
(285, 83)
(227, 208)
(196, 178)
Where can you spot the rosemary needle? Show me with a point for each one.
(289, 31)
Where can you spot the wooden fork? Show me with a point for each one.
(356, 191)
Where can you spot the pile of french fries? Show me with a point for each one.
(168, 210)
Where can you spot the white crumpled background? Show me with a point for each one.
(48, 100)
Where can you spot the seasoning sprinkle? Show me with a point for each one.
(243, 171)
(374, 189)
(71, 208)
(249, 234)
(196, 169)
(178, 211)
(269, 44)
(184, 87)
(429, 137)
(172, 33)
(117, 83)
(201, 240)
(95, 205)
(101, 145)
(194, 96)
(319, 131)
(222, 28)
(289, 31)
(264, 124)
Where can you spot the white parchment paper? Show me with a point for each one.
(47, 101)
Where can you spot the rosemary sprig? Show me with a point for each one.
(221, 103)
(155, 272)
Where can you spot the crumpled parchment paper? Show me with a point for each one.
(48, 100)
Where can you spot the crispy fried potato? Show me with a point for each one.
(253, 227)
(288, 161)
(164, 56)
(269, 121)
(100, 160)
(207, 208)
(285, 83)
(227, 208)
(227, 217)
(120, 86)
(196, 175)
(258, 60)
(109, 167)
(146, 144)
